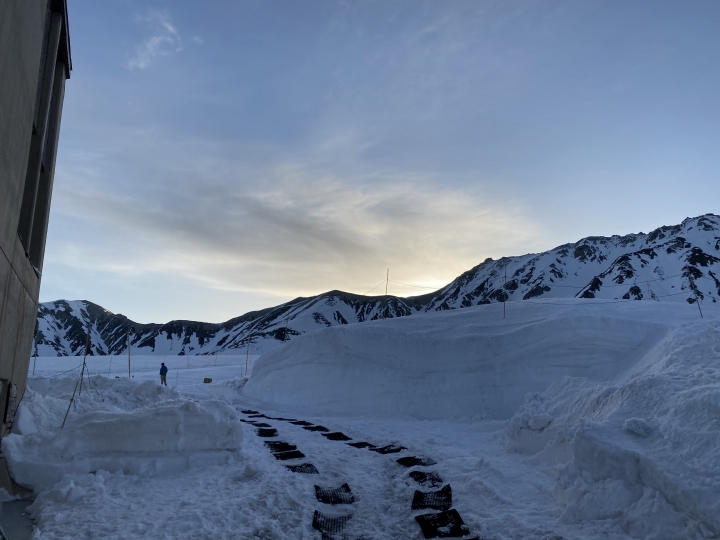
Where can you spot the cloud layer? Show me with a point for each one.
(289, 229)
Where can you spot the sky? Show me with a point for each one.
(219, 157)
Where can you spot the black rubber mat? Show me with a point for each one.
(414, 461)
(292, 454)
(249, 411)
(300, 423)
(267, 432)
(437, 500)
(329, 524)
(389, 449)
(316, 428)
(280, 446)
(442, 525)
(429, 479)
(326, 536)
(337, 436)
(350, 537)
(260, 424)
(362, 444)
(341, 495)
(305, 468)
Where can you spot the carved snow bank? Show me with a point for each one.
(117, 426)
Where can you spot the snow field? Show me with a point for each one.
(465, 363)
(181, 368)
(630, 418)
(577, 421)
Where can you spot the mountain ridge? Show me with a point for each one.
(657, 265)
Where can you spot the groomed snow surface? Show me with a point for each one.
(567, 419)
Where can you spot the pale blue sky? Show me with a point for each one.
(222, 156)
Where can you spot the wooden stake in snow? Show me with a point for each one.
(82, 374)
(69, 405)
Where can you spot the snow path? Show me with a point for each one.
(498, 494)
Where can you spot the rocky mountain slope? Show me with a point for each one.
(657, 266)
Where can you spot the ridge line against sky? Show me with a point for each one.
(221, 157)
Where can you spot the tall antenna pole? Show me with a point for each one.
(387, 278)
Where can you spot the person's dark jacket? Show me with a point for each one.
(163, 371)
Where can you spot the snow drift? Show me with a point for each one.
(465, 363)
(117, 425)
(647, 443)
(624, 399)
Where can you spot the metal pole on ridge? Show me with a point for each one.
(387, 279)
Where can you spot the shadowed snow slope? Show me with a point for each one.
(463, 363)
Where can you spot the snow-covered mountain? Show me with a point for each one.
(658, 266)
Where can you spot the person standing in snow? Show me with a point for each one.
(163, 373)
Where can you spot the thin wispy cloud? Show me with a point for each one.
(163, 41)
(233, 225)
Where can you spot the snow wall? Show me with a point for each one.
(465, 363)
(623, 400)
(117, 426)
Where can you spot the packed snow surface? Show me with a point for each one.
(465, 363)
(567, 419)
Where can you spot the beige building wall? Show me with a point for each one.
(34, 64)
